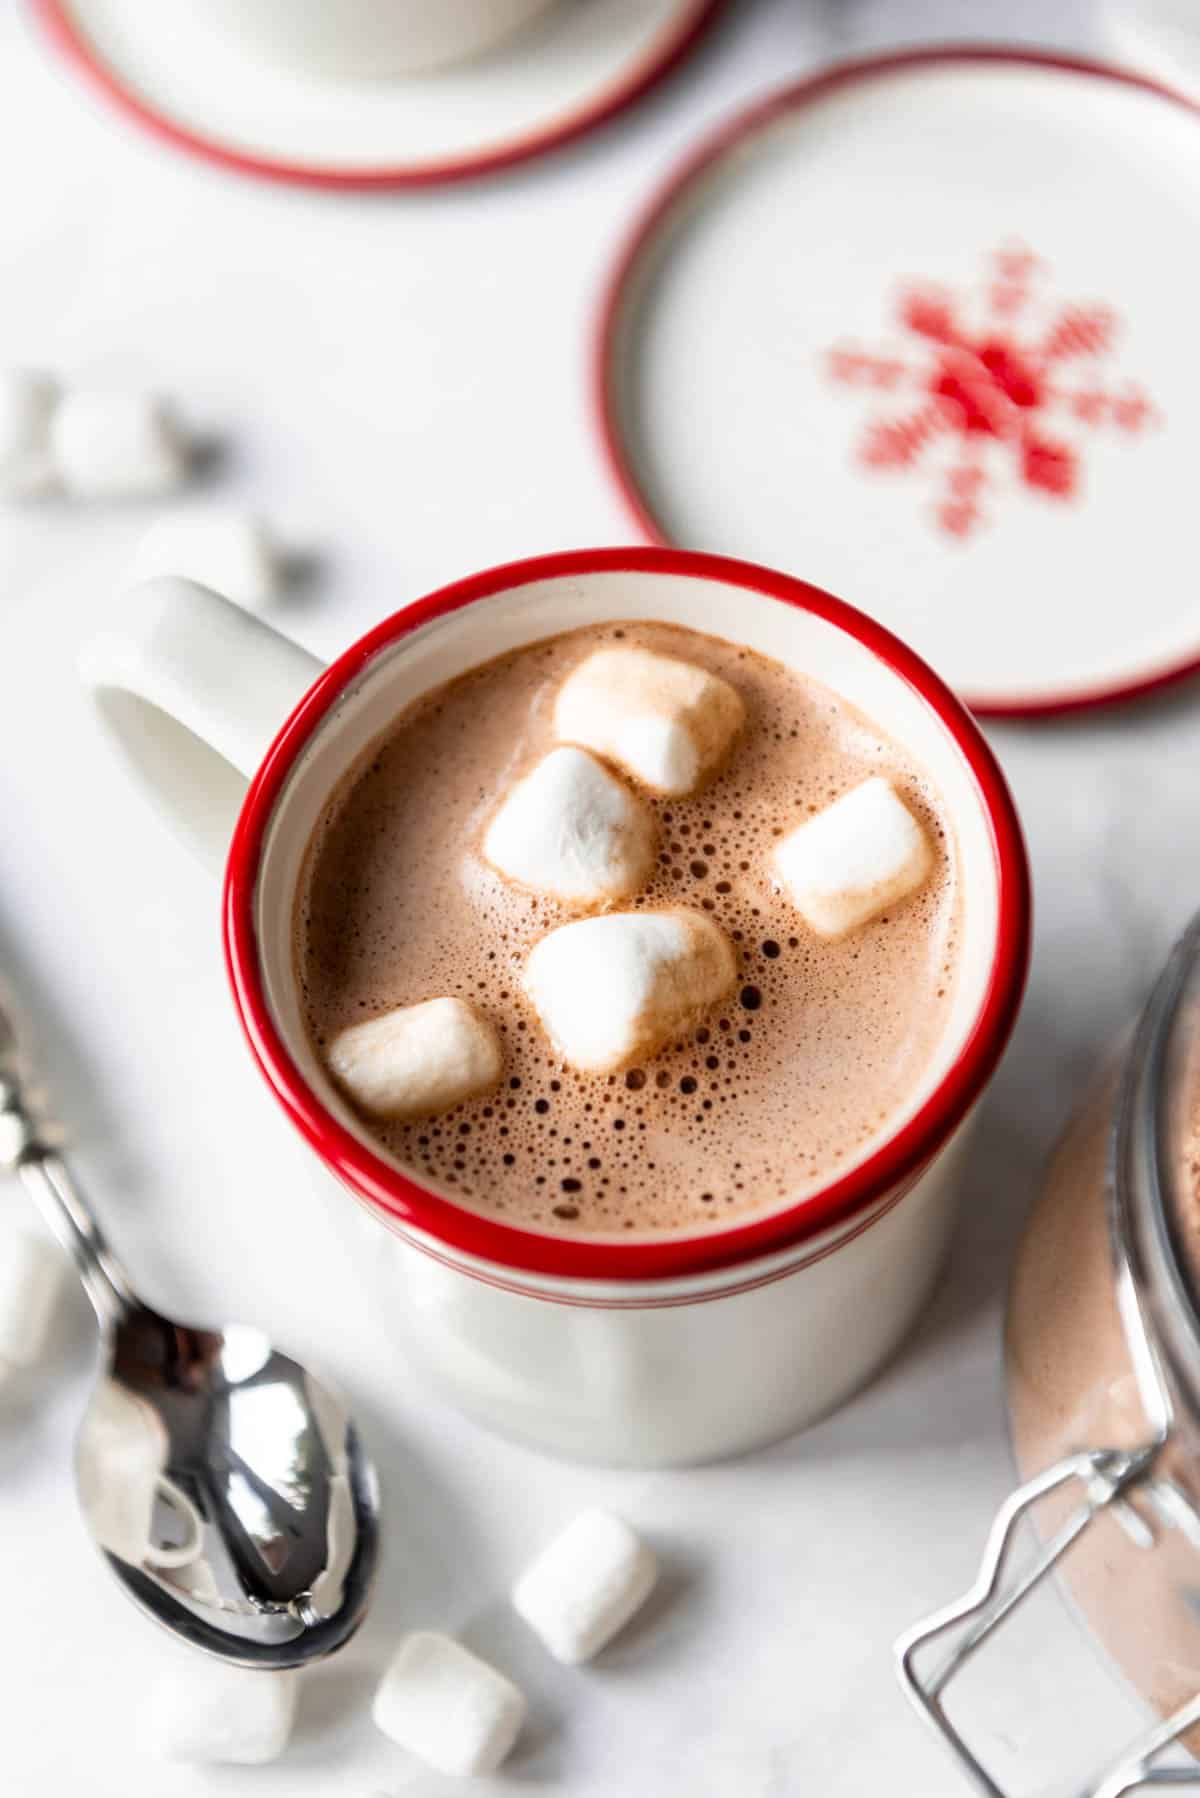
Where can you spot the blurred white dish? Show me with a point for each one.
(560, 74)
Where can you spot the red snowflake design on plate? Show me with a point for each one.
(1012, 393)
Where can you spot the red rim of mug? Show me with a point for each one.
(407, 1204)
(696, 165)
(72, 42)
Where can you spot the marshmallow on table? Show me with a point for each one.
(209, 1711)
(113, 443)
(614, 989)
(847, 864)
(27, 401)
(444, 1704)
(223, 547)
(418, 1059)
(573, 830)
(31, 1275)
(586, 1586)
(667, 722)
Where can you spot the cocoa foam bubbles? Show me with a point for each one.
(775, 1088)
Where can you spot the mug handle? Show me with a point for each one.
(193, 691)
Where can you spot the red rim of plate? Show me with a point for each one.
(72, 41)
(408, 1204)
(697, 164)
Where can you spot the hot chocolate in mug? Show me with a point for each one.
(647, 1350)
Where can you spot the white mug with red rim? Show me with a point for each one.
(656, 1351)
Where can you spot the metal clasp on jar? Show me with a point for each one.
(1109, 1479)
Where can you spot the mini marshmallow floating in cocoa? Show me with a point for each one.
(666, 722)
(611, 990)
(418, 1059)
(570, 829)
(847, 864)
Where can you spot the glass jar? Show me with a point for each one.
(1104, 1395)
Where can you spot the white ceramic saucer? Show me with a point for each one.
(924, 332)
(580, 64)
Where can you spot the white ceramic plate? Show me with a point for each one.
(924, 332)
(564, 73)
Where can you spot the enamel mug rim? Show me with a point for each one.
(440, 1223)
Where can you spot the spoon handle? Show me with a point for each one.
(48, 1179)
(46, 1176)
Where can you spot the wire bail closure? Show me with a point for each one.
(1107, 1477)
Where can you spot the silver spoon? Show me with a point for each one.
(227, 1489)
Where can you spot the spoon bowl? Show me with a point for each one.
(226, 1486)
(228, 1490)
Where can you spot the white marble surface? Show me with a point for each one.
(401, 379)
